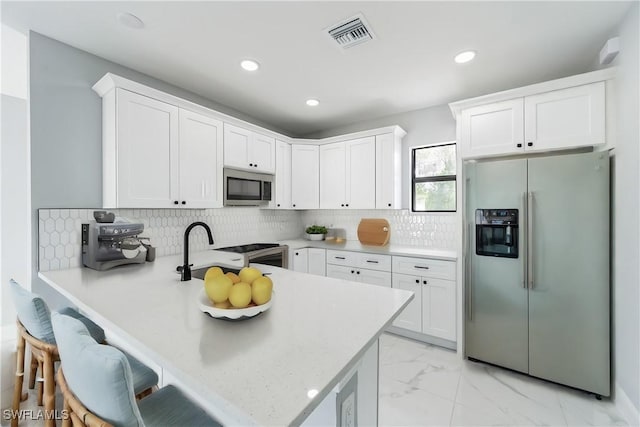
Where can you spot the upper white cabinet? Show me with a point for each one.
(559, 115)
(248, 150)
(348, 174)
(305, 175)
(388, 168)
(283, 176)
(566, 118)
(156, 155)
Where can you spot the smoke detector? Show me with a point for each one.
(351, 32)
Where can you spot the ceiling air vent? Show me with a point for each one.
(351, 32)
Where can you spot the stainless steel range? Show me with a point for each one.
(262, 253)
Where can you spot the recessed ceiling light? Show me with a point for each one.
(130, 20)
(465, 56)
(313, 102)
(249, 65)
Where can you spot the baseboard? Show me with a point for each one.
(625, 407)
(451, 345)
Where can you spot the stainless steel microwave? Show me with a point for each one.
(246, 188)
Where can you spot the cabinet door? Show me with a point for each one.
(305, 176)
(332, 176)
(493, 129)
(262, 153)
(439, 308)
(317, 261)
(341, 272)
(361, 173)
(147, 152)
(200, 161)
(372, 277)
(388, 176)
(236, 147)
(299, 260)
(283, 175)
(566, 118)
(411, 316)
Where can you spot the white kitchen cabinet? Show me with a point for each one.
(348, 174)
(316, 261)
(541, 121)
(567, 118)
(283, 176)
(200, 161)
(305, 175)
(493, 129)
(248, 150)
(433, 309)
(299, 260)
(388, 171)
(374, 269)
(156, 155)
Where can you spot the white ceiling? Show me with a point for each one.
(409, 65)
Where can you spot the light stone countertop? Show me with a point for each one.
(356, 246)
(257, 371)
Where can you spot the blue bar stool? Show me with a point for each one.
(97, 386)
(34, 327)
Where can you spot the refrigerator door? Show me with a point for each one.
(496, 298)
(569, 279)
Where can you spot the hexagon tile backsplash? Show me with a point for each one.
(59, 230)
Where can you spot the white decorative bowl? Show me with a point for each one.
(315, 236)
(205, 305)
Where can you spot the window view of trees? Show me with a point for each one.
(434, 178)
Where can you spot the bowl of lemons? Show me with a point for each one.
(231, 296)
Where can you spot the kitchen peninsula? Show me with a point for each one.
(280, 368)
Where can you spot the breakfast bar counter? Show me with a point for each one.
(273, 369)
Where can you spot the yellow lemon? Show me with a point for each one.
(261, 290)
(223, 304)
(249, 274)
(240, 295)
(233, 276)
(213, 271)
(217, 287)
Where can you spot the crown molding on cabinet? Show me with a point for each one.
(111, 81)
(563, 83)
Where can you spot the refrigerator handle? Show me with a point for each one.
(530, 239)
(469, 274)
(525, 208)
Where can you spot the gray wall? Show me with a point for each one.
(626, 213)
(426, 126)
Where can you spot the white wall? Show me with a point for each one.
(626, 216)
(14, 195)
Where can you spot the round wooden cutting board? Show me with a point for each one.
(374, 231)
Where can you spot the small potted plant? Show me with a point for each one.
(316, 232)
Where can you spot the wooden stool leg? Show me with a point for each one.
(33, 372)
(17, 394)
(66, 415)
(40, 383)
(49, 391)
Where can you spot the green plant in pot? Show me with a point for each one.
(316, 232)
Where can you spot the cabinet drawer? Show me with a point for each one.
(343, 258)
(375, 262)
(425, 267)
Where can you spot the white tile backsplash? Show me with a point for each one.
(59, 230)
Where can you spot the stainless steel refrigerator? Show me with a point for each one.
(537, 267)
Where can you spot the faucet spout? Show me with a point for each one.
(185, 269)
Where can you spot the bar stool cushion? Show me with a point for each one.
(143, 376)
(169, 407)
(34, 314)
(99, 375)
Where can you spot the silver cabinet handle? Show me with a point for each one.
(421, 266)
(469, 274)
(530, 239)
(525, 219)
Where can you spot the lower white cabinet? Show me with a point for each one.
(308, 260)
(433, 309)
(359, 267)
(362, 275)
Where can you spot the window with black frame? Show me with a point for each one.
(433, 178)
